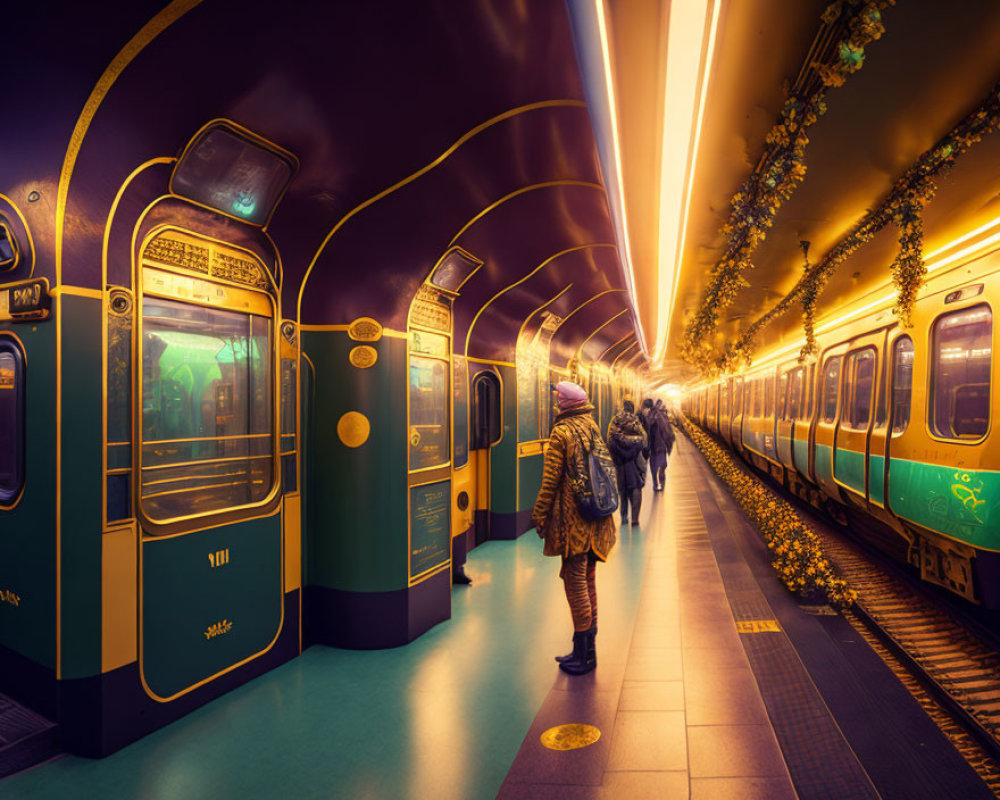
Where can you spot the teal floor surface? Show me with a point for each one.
(440, 718)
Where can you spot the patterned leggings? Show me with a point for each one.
(579, 578)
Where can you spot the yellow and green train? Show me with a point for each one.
(888, 426)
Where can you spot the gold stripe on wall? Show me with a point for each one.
(427, 168)
(611, 347)
(546, 262)
(515, 193)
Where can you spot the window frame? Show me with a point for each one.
(931, 404)
(821, 394)
(848, 376)
(216, 517)
(891, 388)
(10, 343)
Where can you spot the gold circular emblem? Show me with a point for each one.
(363, 356)
(365, 329)
(353, 429)
(415, 438)
(570, 737)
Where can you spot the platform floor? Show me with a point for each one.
(687, 706)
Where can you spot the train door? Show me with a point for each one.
(856, 417)
(207, 461)
(736, 427)
(878, 440)
(824, 431)
(789, 409)
(803, 421)
(487, 428)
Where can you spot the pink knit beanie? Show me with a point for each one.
(569, 395)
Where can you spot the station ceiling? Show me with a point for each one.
(933, 65)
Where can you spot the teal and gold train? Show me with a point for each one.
(270, 368)
(888, 427)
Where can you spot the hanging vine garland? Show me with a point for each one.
(904, 206)
(782, 167)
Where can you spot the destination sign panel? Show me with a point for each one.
(25, 301)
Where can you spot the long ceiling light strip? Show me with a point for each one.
(687, 26)
(609, 88)
(887, 299)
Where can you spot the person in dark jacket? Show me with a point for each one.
(646, 413)
(661, 442)
(626, 441)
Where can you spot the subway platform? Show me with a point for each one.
(713, 682)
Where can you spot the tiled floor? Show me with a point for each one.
(687, 719)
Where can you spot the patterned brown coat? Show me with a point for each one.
(556, 516)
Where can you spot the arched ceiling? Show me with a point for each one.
(417, 127)
(935, 63)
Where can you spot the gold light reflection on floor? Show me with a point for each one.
(758, 626)
(572, 736)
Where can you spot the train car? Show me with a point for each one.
(889, 428)
(253, 395)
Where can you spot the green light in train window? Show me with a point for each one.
(244, 204)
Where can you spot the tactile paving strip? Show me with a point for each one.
(820, 761)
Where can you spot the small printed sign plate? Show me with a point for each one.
(570, 737)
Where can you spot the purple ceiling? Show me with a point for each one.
(366, 95)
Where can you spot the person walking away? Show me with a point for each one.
(646, 414)
(626, 441)
(661, 443)
(580, 542)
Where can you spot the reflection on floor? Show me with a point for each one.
(440, 718)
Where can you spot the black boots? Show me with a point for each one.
(583, 659)
(592, 630)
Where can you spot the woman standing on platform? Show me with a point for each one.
(580, 542)
(626, 441)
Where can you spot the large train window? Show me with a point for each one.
(831, 380)
(962, 353)
(769, 396)
(11, 420)
(207, 407)
(902, 383)
(859, 377)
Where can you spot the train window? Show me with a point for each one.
(207, 409)
(430, 435)
(859, 377)
(737, 396)
(769, 397)
(831, 380)
(794, 407)
(902, 383)
(11, 420)
(960, 393)
(783, 396)
(724, 405)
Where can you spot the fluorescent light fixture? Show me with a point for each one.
(690, 48)
(609, 87)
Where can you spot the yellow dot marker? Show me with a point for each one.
(353, 429)
(570, 737)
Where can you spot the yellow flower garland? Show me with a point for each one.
(797, 556)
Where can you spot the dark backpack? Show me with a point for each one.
(593, 480)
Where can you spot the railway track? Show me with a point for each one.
(929, 642)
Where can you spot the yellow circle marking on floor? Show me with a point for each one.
(570, 737)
